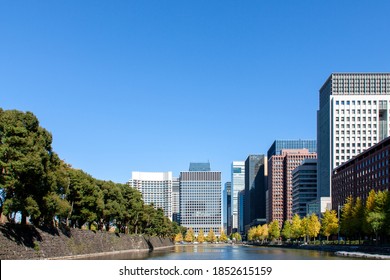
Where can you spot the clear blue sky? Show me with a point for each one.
(153, 85)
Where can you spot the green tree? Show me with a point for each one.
(329, 223)
(235, 237)
(358, 218)
(28, 169)
(274, 230)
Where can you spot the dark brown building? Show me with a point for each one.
(358, 176)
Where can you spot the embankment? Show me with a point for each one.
(20, 242)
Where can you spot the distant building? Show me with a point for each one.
(240, 216)
(228, 207)
(176, 200)
(200, 199)
(238, 184)
(255, 188)
(280, 182)
(365, 172)
(304, 187)
(279, 145)
(156, 189)
(352, 116)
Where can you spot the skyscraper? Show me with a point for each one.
(304, 186)
(227, 202)
(200, 199)
(255, 190)
(279, 145)
(280, 182)
(353, 115)
(156, 188)
(238, 184)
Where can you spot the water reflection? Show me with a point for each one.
(223, 252)
(238, 252)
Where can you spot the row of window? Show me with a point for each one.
(342, 119)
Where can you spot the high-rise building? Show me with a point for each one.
(280, 169)
(304, 187)
(156, 188)
(255, 190)
(353, 115)
(176, 199)
(279, 145)
(241, 209)
(227, 198)
(238, 184)
(200, 199)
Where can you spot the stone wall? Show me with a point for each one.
(28, 242)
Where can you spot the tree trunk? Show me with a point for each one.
(24, 219)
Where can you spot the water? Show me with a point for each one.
(224, 252)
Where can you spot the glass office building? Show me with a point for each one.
(280, 145)
(238, 184)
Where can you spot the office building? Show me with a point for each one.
(304, 187)
(255, 190)
(156, 189)
(352, 116)
(280, 169)
(200, 199)
(241, 211)
(227, 198)
(176, 200)
(279, 145)
(367, 171)
(238, 184)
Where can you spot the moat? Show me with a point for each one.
(224, 252)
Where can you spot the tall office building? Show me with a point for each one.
(227, 202)
(176, 200)
(241, 209)
(353, 115)
(255, 190)
(280, 182)
(279, 145)
(200, 199)
(156, 188)
(304, 187)
(238, 184)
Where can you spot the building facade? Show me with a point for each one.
(156, 189)
(200, 200)
(227, 198)
(256, 172)
(304, 187)
(353, 116)
(365, 172)
(238, 184)
(279, 145)
(280, 182)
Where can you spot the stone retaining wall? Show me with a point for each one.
(27, 242)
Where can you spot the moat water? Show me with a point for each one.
(224, 252)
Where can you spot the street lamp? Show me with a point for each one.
(339, 207)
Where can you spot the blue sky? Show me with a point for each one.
(153, 85)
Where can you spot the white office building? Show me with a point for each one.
(156, 188)
(238, 184)
(201, 199)
(353, 115)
